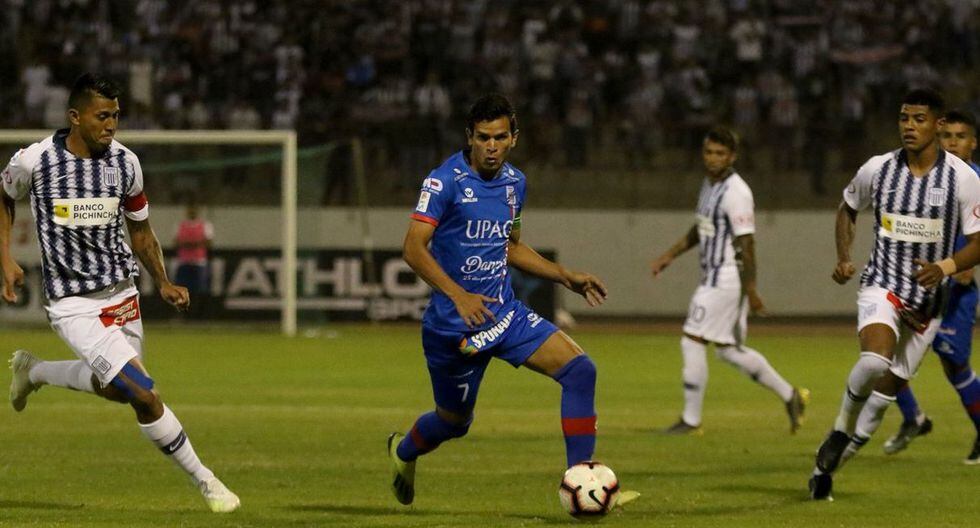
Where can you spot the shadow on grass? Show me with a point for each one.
(37, 505)
(370, 511)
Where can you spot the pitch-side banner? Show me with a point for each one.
(332, 285)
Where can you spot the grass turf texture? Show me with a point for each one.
(297, 428)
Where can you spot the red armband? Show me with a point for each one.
(135, 203)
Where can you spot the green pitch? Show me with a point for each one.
(297, 428)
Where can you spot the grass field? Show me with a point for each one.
(297, 428)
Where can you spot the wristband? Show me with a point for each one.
(948, 266)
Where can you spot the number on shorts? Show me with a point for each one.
(697, 313)
(466, 390)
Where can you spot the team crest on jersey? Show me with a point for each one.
(511, 195)
(469, 196)
(937, 196)
(110, 176)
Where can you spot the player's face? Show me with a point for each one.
(918, 126)
(960, 139)
(717, 157)
(490, 142)
(96, 121)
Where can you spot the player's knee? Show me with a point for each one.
(456, 425)
(727, 353)
(954, 370)
(890, 383)
(580, 372)
(134, 386)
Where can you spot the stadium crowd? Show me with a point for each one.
(600, 84)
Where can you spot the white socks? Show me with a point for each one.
(868, 422)
(754, 365)
(73, 374)
(868, 369)
(695, 377)
(167, 434)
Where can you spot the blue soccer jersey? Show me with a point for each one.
(954, 340)
(473, 219)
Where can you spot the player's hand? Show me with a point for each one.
(964, 277)
(660, 263)
(587, 285)
(929, 274)
(176, 296)
(473, 309)
(13, 278)
(843, 272)
(756, 306)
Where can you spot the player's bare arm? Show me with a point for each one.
(844, 235)
(745, 257)
(147, 249)
(415, 251)
(931, 273)
(525, 258)
(686, 242)
(13, 275)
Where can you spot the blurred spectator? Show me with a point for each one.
(193, 243)
(651, 72)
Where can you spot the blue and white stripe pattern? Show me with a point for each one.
(81, 259)
(714, 232)
(895, 190)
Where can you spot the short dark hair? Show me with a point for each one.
(490, 107)
(91, 83)
(723, 136)
(962, 116)
(926, 97)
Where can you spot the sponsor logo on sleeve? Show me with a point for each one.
(7, 177)
(83, 212)
(852, 188)
(511, 195)
(432, 184)
(423, 205)
(976, 212)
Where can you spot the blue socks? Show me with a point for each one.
(577, 379)
(968, 387)
(907, 404)
(429, 431)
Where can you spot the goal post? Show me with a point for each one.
(285, 139)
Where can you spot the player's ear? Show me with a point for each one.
(513, 141)
(73, 117)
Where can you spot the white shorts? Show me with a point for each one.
(874, 307)
(103, 328)
(719, 315)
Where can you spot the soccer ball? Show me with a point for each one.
(588, 489)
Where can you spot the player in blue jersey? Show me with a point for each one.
(954, 340)
(469, 210)
(83, 186)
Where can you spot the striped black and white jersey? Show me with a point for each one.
(914, 218)
(78, 206)
(725, 211)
